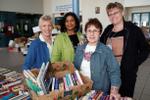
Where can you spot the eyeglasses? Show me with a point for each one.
(94, 31)
(115, 13)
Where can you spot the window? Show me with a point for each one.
(136, 19)
(141, 19)
(145, 19)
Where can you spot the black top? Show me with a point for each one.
(74, 39)
(116, 34)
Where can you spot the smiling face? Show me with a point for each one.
(115, 15)
(46, 28)
(92, 34)
(70, 23)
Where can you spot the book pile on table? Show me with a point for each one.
(98, 95)
(11, 85)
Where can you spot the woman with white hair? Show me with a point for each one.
(40, 49)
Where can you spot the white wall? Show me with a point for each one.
(131, 3)
(25, 6)
(47, 7)
(87, 9)
(50, 5)
(131, 10)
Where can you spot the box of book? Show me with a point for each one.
(65, 83)
(65, 93)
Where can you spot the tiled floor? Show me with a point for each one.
(142, 88)
(11, 60)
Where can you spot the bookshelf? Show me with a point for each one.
(15, 24)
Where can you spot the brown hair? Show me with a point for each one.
(114, 5)
(95, 22)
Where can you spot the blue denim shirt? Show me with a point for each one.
(105, 71)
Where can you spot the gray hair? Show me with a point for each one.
(44, 18)
(114, 5)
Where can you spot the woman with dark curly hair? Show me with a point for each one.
(66, 42)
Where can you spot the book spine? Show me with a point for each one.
(31, 74)
(42, 72)
(43, 87)
(95, 96)
(12, 76)
(53, 83)
(27, 75)
(13, 83)
(103, 98)
(87, 96)
(65, 84)
(68, 81)
(78, 76)
(2, 69)
(92, 95)
(10, 73)
(71, 81)
(56, 86)
(61, 86)
(48, 83)
(4, 92)
(15, 78)
(40, 76)
(5, 72)
(76, 79)
(20, 96)
(99, 96)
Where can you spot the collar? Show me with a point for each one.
(41, 38)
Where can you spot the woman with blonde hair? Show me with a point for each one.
(41, 48)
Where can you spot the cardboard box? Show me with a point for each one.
(77, 91)
(60, 69)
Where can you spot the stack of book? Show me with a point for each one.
(10, 83)
(67, 82)
(21, 96)
(98, 95)
(39, 84)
